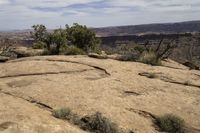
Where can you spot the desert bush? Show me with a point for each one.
(171, 124)
(56, 40)
(94, 123)
(79, 37)
(163, 50)
(67, 114)
(99, 124)
(5, 46)
(38, 45)
(82, 37)
(129, 57)
(62, 113)
(39, 33)
(139, 48)
(150, 54)
(51, 41)
(149, 58)
(73, 50)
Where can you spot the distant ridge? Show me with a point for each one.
(157, 28)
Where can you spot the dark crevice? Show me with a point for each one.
(30, 100)
(45, 73)
(96, 67)
(75, 62)
(165, 79)
(128, 93)
(41, 105)
(175, 67)
(142, 113)
(181, 83)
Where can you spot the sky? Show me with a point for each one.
(22, 14)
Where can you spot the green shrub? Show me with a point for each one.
(171, 124)
(73, 50)
(82, 37)
(149, 58)
(62, 113)
(52, 41)
(38, 45)
(77, 35)
(139, 48)
(51, 51)
(94, 123)
(99, 124)
(39, 32)
(128, 57)
(67, 114)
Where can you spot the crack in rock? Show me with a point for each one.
(30, 100)
(142, 113)
(75, 62)
(45, 73)
(175, 68)
(129, 93)
(166, 79)
(181, 83)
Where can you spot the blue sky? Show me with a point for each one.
(22, 14)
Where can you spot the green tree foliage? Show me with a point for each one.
(39, 33)
(82, 37)
(56, 40)
(78, 36)
(51, 41)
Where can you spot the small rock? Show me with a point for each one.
(27, 52)
(4, 58)
(95, 55)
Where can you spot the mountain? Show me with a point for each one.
(157, 28)
(165, 28)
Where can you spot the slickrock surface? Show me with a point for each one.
(125, 92)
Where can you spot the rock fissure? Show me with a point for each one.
(30, 100)
(45, 73)
(75, 62)
(142, 113)
(129, 93)
(166, 79)
(181, 83)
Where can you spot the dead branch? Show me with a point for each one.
(5, 46)
(161, 50)
(169, 47)
(145, 45)
(161, 41)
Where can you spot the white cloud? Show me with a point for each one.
(2, 2)
(23, 13)
(51, 3)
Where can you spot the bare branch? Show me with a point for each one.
(145, 45)
(167, 49)
(161, 41)
(5, 46)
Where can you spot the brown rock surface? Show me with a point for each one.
(31, 87)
